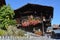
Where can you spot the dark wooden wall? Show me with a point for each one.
(2, 2)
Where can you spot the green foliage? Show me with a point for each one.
(19, 32)
(2, 32)
(6, 16)
(7, 22)
(12, 30)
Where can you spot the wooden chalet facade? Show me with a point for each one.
(44, 12)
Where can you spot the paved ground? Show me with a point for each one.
(34, 37)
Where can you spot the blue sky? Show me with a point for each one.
(54, 3)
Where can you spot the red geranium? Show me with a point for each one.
(33, 22)
(25, 24)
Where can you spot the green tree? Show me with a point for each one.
(6, 17)
(7, 22)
